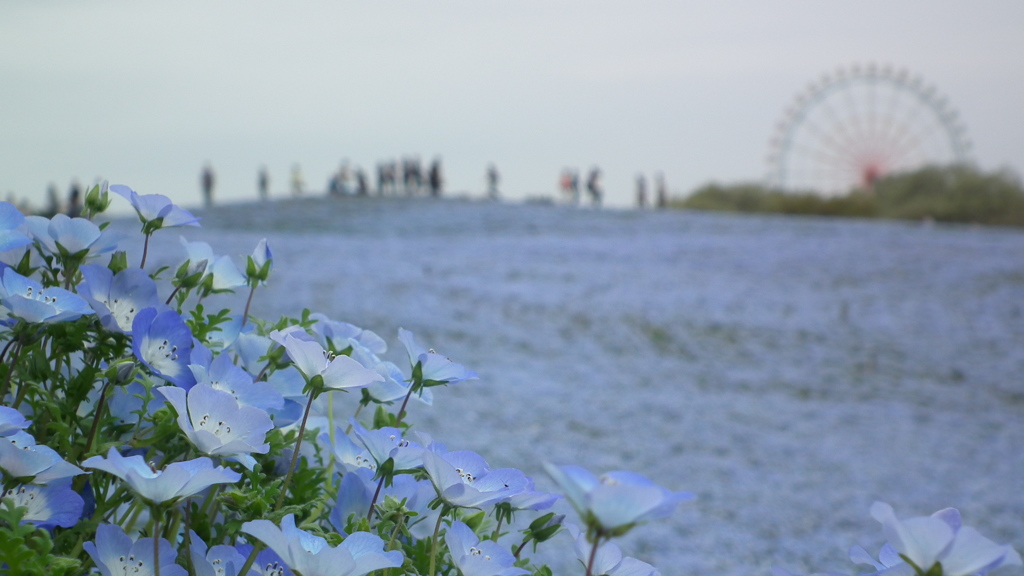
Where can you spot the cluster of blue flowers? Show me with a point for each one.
(142, 434)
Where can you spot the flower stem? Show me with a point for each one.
(593, 554)
(433, 546)
(295, 456)
(248, 302)
(156, 543)
(10, 370)
(145, 252)
(369, 513)
(173, 294)
(401, 411)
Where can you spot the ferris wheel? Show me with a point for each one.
(853, 126)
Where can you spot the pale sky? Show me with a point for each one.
(144, 93)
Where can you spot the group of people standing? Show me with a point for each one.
(409, 177)
(660, 191)
(569, 184)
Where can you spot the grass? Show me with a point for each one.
(941, 193)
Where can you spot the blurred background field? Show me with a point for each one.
(788, 370)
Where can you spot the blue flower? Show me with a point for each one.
(221, 374)
(72, 235)
(216, 425)
(177, 481)
(11, 421)
(530, 499)
(615, 501)
(220, 560)
(941, 538)
(356, 492)
(608, 560)
(476, 558)
(10, 220)
(117, 298)
(163, 342)
(21, 457)
(464, 480)
(394, 386)
(435, 368)
(336, 372)
(260, 263)
(268, 563)
(156, 210)
(347, 454)
(225, 275)
(48, 506)
(310, 555)
(115, 554)
(387, 443)
(28, 300)
(335, 335)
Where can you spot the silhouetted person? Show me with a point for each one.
(574, 186)
(660, 192)
(298, 183)
(52, 201)
(263, 183)
(434, 178)
(207, 182)
(492, 182)
(75, 199)
(594, 186)
(362, 188)
(641, 191)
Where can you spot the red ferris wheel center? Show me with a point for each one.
(854, 126)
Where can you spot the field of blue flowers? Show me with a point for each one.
(748, 390)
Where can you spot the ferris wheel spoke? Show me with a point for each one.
(853, 127)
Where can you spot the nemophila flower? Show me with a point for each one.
(126, 402)
(156, 210)
(220, 373)
(224, 334)
(163, 342)
(72, 235)
(463, 479)
(260, 263)
(252, 350)
(117, 298)
(347, 454)
(177, 481)
(21, 457)
(217, 425)
(11, 421)
(48, 506)
(310, 555)
(394, 386)
(267, 563)
(608, 559)
(220, 560)
(337, 335)
(116, 554)
(479, 558)
(941, 538)
(10, 220)
(356, 492)
(225, 275)
(615, 501)
(434, 367)
(387, 443)
(888, 558)
(28, 300)
(530, 499)
(333, 372)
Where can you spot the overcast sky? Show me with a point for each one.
(143, 93)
